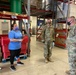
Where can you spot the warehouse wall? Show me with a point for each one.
(33, 24)
(33, 21)
(72, 10)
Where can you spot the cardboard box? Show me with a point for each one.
(33, 2)
(39, 4)
(60, 40)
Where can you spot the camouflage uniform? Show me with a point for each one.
(48, 32)
(71, 46)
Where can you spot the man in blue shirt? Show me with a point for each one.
(15, 37)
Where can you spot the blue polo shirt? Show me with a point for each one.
(14, 35)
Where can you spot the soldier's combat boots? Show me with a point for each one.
(49, 59)
(46, 61)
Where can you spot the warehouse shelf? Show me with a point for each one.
(64, 37)
(61, 30)
(60, 40)
(9, 15)
(64, 0)
(60, 45)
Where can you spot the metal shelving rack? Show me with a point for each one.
(6, 6)
(45, 14)
(41, 13)
(53, 15)
(62, 32)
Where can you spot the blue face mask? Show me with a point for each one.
(16, 28)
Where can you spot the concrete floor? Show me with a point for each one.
(35, 65)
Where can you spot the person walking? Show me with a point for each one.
(48, 32)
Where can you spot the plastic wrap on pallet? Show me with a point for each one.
(64, 8)
(46, 4)
(49, 5)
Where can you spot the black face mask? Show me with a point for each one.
(69, 23)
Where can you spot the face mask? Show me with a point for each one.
(69, 23)
(16, 28)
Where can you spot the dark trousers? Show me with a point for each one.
(14, 53)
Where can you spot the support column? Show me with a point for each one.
(20, 25)
(28, 8)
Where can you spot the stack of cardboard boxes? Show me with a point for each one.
(37, 3)
(61, 35)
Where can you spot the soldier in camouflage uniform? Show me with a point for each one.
(71, 45)
(48, 31)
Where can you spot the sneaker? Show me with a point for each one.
(20, 63)
(13, 68)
